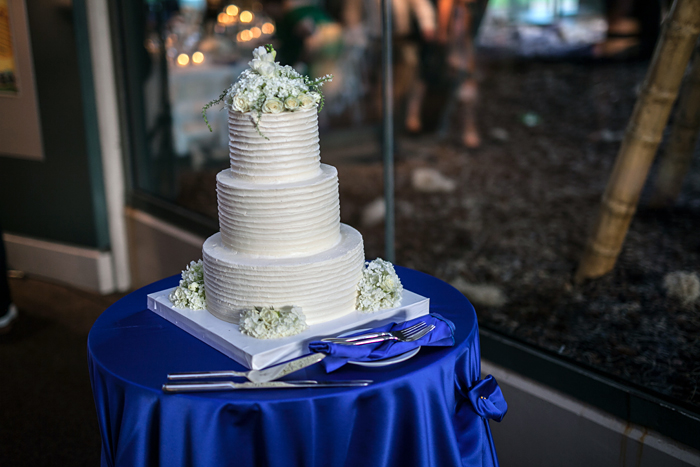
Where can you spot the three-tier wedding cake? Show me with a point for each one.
(281, 242)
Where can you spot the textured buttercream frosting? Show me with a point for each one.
(281, 241)
(280, 220)
(324, 285)
(288, 152)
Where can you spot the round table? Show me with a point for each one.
(431, 410)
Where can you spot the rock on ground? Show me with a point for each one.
(481, 294)
(429, 180)
(683, 286)
(374, 213)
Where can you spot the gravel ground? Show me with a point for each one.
(512, 231)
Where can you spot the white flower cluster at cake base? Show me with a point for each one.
(379, 288)
(264, 322)
(268, 87)
(190, 293)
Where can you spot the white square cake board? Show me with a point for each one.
(261, 353)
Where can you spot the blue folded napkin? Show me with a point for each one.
(339, 355)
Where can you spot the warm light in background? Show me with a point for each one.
(224, 18)
(232, 10)
(268, 28)
(197, 58)
(246, 17)
(256, 32)
(183, 59)
(242, 36)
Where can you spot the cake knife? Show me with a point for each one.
(230, 385)
(256, 376)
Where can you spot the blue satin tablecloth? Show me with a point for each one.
(431, 410)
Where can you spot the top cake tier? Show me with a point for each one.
(288, 151)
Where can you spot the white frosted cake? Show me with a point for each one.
(281, 241)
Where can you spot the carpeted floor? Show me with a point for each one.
(47, 414)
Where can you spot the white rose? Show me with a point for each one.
(306, 101)
(315, 96)
(388, 284)
(291, 103)
(240, 103)
(273, 106)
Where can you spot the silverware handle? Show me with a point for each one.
(372, 340)
(198, 387)
(204, 375)
(354, 338)
(230, 385)
(344, 382)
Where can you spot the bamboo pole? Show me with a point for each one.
(642, 138)
(678, 154)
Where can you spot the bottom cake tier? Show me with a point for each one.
(324, 285)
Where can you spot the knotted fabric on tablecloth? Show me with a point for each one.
(339, 355)
(487, 399)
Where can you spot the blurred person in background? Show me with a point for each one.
(633, 27)
(310, 41)
(306, 32)
(458, 25)
(8, 311)
(414, 24)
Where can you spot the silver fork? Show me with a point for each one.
(410, 337)
(403, 333)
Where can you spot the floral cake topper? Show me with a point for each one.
(268, 87)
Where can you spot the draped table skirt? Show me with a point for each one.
(431, 410)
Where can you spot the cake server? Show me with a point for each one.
(256, 376)
(230, 385)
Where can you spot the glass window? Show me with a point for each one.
(508, 122)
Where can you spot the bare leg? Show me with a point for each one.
(623, 34)
(468, 95)
(623, 30)
(469, 88)
(414, 106)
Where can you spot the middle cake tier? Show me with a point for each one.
(279, 220)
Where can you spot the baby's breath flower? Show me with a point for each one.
(190, 293)
(379, 288)
(315, 96)
(264, 322)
